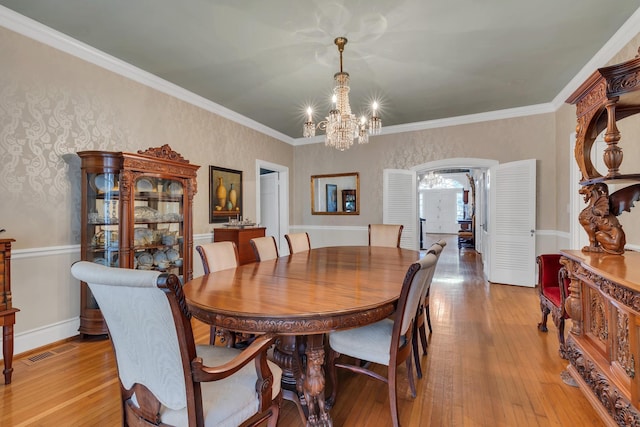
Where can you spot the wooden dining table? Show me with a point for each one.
(301, 297)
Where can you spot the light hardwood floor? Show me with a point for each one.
(488, 365)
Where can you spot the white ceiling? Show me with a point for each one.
(422, 59)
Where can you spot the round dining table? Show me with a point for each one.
(303, 296)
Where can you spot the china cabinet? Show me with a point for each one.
(136, 213)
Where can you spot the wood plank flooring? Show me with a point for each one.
(488, 365)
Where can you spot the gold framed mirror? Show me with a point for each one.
(335, 194)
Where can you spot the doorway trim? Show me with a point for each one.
(283, 196)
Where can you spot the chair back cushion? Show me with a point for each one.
(385, 235)
(141, 327)
(298, 242)
(548, 269)
(417, 278)
(218, 256)
(264, 248)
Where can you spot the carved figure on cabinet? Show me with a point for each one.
(600, 222)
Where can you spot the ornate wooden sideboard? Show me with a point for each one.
(7, 311)
(241, 237)
(603, 347)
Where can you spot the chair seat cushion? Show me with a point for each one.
(553, 294)
(230, 401)
(371, 342)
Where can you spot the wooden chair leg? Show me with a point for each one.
(416, 351)
(542, 326)
(393, 394)
(426, 309)
(333, 376)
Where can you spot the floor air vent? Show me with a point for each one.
(48, 354)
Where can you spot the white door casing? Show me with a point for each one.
(282, 202)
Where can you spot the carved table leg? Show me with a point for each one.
(287, 355)
(313, 383)
(573, 303)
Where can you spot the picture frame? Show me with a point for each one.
(225, 194)
(332, 198)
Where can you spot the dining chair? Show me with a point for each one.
(165, 378)
(386, 342)
(385, 235)
(553, 289)
(218, 256)
(419, 330)
(298, 242)
(264, 248)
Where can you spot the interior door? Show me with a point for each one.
(400, 204)
(269, 204)
(512, 194)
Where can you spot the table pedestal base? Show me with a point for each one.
(302, 361)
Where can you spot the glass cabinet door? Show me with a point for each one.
(103, 213)
(158, 235)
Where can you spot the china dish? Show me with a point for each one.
(145, 214)
(159, 258)
(144, 184)
(142, 237)
(104, 182)
(145, 259)
(172, 254)
(175, 188)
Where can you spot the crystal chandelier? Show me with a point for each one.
(342, 127)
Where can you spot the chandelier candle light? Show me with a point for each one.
(342, 127)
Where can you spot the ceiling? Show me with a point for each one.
(421, 59)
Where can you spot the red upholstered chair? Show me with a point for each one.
(553, 288)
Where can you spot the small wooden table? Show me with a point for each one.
(7, 311)
(304, 295)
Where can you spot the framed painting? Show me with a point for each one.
(332, 198)
(225, 194)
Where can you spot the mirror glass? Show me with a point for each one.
(335, 194)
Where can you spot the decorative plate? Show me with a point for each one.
(145, 258)
(144, 184)
(175, 188)
(101, 261)
(172, 254)
(104, 182)
(158, 257)
(142, 236)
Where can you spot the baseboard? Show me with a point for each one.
(29, 340)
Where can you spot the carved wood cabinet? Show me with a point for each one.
(603, 346)
(136, 213)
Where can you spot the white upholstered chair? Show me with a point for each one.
(298, 242)
(423, 311)
(386, 342)
(164, 377)
(218, 256)
(264, 248)
(385, 235)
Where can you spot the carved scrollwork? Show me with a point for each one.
(623, 352)
(164, 152)
(625, 83)
(613, 401)
(599, 324)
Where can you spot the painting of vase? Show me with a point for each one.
(225, 194)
